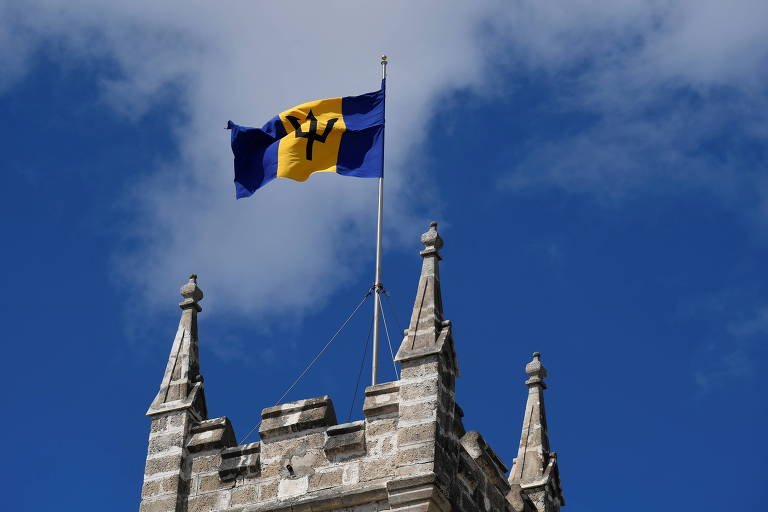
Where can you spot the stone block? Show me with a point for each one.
(240, 461)
(209, 502)
(167, 485)
(292, 487)
(376, 469)
(176, 420)
(325, 479)
(206, 463)
(159, 505)
(345, 441)
(212, 482)
(268, 490)
(296, 417)
(379, 426)
(351, 474)
(487, 460)
(415, 434)
(414, 469)
(162, 464)
(381, 446)
(416, 368)
(381, 399)
(424, 387)
(244, 495)
(418, 412)
(159, 443)
(417, 455)
(158, 424)
(215, 434)
(419, 493)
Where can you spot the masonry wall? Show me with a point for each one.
(409, 453)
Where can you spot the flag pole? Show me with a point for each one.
(377, 283)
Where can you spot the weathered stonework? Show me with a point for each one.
(410, 452)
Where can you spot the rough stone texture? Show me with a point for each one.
(294, 417)
(344, 441)
(243, 460)
(411, 452)
(381, 399)
(211, 435)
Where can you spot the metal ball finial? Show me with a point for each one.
(383, 59)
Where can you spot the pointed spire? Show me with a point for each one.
(182, 384)
(427, 332)
(536, 466)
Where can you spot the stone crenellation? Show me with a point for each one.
(410, 452)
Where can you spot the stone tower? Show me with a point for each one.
(410, 453)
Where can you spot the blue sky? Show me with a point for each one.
(598, 170)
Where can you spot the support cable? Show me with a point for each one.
(312, 363)
(394, 312)
(360, 372)
(389, 342)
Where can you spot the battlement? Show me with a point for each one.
(409, 453)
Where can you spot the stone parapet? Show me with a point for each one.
(240, 461)
(487, 460)
(296, 417)
(345, 441)
(382, 399)
(215, 434)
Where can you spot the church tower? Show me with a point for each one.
(410, 453)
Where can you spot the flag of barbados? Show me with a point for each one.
(342, 135)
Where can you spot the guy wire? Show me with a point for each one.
(389, 342)
(360, 372)
(312, 363)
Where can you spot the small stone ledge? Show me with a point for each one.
(296, 417)
(211, 434)
(243, 460)
(490, 464)
(326, 500)
(345, 441)
(382, 399)
(420, 493)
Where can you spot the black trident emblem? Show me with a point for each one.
(312, 134)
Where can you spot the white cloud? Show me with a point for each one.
(662, 80)
(289, 246)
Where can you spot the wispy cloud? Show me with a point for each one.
(735, 340)
(290, 246)
(675, 91)
(754, 325)
(661, 78)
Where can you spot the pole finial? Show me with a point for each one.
(383, 67)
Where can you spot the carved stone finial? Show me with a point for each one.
(536, 371)
(192, 294)
(431, 240)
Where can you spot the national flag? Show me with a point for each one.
(342, 135)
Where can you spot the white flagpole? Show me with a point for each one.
(377, 283)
